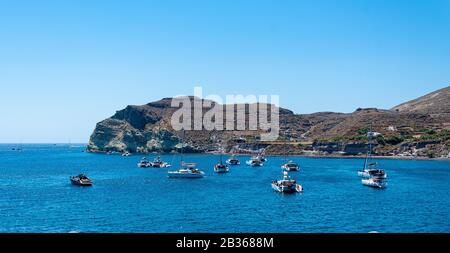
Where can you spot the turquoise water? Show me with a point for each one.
(36, 195)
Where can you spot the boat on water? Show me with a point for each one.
(221, 168)
(126, 154)
(374, 182)
(158, 163)
(144, 163)
(370, 169)
(81, 180)
(255, 162)
(187, 170)
(290, 166)
(286, 185)
(233, 160)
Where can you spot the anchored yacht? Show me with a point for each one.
(286, 185)
(81, 180)
(233, 160)
(187, 170)
(370, 169)
(255, 162)
(290, 166)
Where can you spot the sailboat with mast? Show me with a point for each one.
(370, 168)
(187, 170)
(290, 165)
(221, 167)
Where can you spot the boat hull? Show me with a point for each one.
(370, 183)
(286, 168)
(80, 183)
(287, 189)
(233, 162)
(184, 175)
(249, 163)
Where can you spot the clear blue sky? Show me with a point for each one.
(65, 65)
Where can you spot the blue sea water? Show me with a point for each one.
(36, 195)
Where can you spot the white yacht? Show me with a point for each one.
(290, 166)
(158, 163)
(286, 184)
(221, 168)
(144, 163)
(233, 160)
(370, 169)
(254, 162)
(187, 170)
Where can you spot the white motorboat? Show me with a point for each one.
(286, 185)
(188, 170)
(144, 163)
(374, 182)
(158, 163)
(233, 161)
(126, 154)
(290, 166)
(254, 162)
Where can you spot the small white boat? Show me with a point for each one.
(286, 185)
(374, 182)
(290, 166)
(233, 161)
(144, 163)
(158, 163)
(221, 168)
(126, 154)
(188, 170)
(254, 162)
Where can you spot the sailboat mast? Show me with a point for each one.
(369, 152)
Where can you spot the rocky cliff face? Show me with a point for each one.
(420, 127)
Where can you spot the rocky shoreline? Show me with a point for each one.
(419, 128)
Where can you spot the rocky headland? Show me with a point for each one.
(418, 128)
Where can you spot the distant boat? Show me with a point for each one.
(144, 163)
(233, 160)
(187, 170)
(255, 162)
(158, 163)
(221, 167)
(370, 169)
(126, 154)
(290, 166)
(81, 180)
(286, 185)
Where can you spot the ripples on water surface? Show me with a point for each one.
(36, 196)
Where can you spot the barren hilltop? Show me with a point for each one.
(418, 128)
